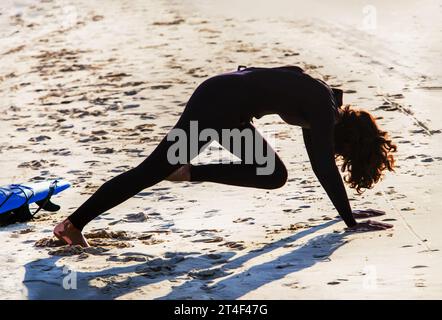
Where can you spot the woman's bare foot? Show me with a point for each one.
(180, 174)
(65, 231)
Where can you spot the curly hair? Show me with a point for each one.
(365, 150)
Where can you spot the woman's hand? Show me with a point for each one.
(368, 213)
(370, 226)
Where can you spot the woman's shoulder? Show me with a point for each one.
(290, 68)
(284, 68)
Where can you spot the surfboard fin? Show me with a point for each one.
(48, 205)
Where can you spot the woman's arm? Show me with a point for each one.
(319, 144)
(342, 204)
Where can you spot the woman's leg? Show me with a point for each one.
(155, 168)
(152, 170)
(115, 191)
(124, 186)
(243, 174)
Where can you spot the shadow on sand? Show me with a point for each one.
(44, 279)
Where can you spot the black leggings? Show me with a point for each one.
(204, 107)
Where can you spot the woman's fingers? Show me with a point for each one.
(370, 226)
(361, 214)
(381, 224)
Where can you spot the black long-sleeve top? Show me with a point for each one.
(301, 100)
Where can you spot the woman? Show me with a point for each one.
(230, 101)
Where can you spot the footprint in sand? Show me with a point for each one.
(37, 164)
(39, 138)
(420, 283)
(160, 87)
(88, 139)
(386, 106)
(49, 243)
(419, 267)
(130, 106)
(145, 116)
(146, 127)
(107, 284)
(210, 213)
(214, 256)
(207, 232)
(240, 220)
(197, 72)
(103, 234)
(209, 240)
(294, 285)
(113, 239)
(291, 228)
(284, 265)
(168, 198)
(120, 169)
(64, 250)
(292, 210)
(152, 241)
(61, 152)
(160, 267)
(128, 258)
(209, 274)
(237, 245)
(77, 250)
(176, 21)
(102, 150)
(25, 231)
(136, 217)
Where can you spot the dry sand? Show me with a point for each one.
(88, 91)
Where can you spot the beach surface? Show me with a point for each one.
(88, 91)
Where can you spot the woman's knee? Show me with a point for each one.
(278, 178)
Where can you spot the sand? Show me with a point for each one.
(88, 91)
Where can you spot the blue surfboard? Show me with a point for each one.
(14, 196)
